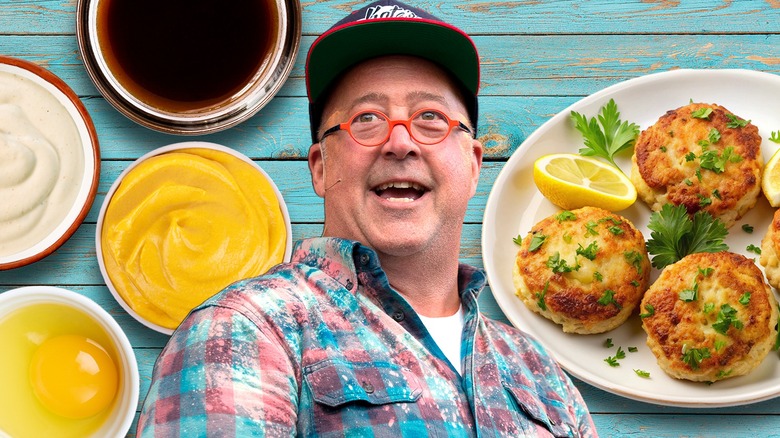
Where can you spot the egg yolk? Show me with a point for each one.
(73, 376)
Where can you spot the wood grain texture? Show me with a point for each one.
(538, 57)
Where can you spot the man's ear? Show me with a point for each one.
(476, 164)
(317, 169)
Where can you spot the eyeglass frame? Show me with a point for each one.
(407, 123)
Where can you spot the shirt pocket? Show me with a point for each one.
(336, 382)
(552, 414)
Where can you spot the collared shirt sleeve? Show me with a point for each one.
(220, 375)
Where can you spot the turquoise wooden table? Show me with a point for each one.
(538, 57)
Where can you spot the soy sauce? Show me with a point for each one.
(186, 55)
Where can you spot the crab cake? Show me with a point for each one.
(710, 316)
(770, 251)
(584, 269)
(701, 156)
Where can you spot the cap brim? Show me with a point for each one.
(337, 50)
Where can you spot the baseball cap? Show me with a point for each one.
(388, 27)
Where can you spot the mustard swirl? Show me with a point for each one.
(183, 225)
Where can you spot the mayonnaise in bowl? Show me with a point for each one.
(49, 162)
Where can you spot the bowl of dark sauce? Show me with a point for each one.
(188, 66)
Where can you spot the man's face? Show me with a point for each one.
(399, 197)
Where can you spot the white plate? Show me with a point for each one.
(515, 205)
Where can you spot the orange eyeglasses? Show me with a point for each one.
(372, 128)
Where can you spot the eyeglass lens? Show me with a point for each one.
(427, 127)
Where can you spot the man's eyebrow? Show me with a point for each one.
(371, 98)
(424, 96)
(411, 98)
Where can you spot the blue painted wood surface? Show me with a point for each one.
(538, 57)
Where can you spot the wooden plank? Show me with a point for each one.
(532, 65)
(480, 17)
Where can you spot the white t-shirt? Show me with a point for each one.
(447, 332)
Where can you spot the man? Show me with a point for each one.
(373, 330)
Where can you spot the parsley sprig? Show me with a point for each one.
(674, 234)
(606, 136)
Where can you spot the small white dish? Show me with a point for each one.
(125, 404)
(88, 179)
(163, 150)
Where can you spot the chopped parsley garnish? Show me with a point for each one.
(608, 343)
(597, 276)
(747, 228)
(606, 135)
(713, 136)
(590, 229)
(694, 356)
(541, 295)
(632, 349)
(689, 295)
(642, 373)
(727, 317)
(565, 216)
(635, 259)
(745, 299)
(701, 113)
(754, 249)
(716, 194)
(616, 230)
(518, 240)
(674, 234)
(559, 265)
(536, 242)
(708, 307)
(736, 122)
(711, 160)
(650, 311)
(608, 298)
(635, 283)
(613, 360)
(723, 373)
(589, 252)
(775, 136)
(704, 200)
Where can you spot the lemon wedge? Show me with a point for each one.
(770, 180)
(572, 181)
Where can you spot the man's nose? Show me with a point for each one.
(400, 142)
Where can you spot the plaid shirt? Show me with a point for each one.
(323, 346)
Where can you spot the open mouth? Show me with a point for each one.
(400, 191)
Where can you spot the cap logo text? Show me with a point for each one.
(392, 11)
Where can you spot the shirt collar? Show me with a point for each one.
(340, 258)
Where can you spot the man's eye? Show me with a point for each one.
(367, 118)
(431, 115)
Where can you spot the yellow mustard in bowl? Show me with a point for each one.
(184, 224)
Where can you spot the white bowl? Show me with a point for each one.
(87, 181)
(159, 151)
(124, 408)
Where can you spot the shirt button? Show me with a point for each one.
(364, 259)
(349, 284)
(398, 315)
(368, 387)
